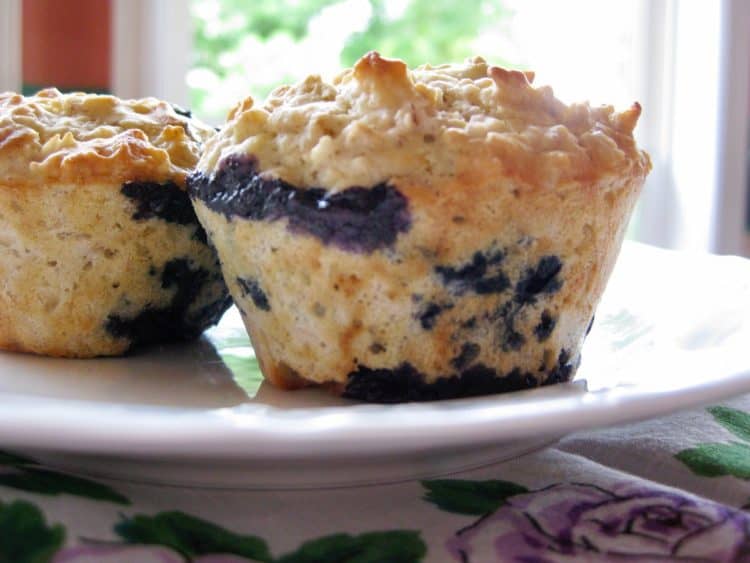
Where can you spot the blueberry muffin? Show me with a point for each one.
(400, 235)
(100, 249)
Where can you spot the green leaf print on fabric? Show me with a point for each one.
(51, 483)
(7, 458)
(194, 538)
(736, 421)
(717, 459)
(396, 546)
(469, 497)
(190, 536)
(21, 474)
(24, 535)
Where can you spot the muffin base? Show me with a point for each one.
(406, 384)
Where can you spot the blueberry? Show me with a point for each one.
(249, 286)
(429, 314)
(562, 370)
(494, 284)
(357, 219)
(545, 327)
(505, 319)
(468, 273)
(172, 322)
(165, 201)
(379, 385)
(481, 275)
(539, 280)
(518, 380)
(469, 352)
(405, 383)
(514, 340)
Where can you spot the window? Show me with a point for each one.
(243, 48)
(10, 45)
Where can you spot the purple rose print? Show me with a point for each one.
(582, 522)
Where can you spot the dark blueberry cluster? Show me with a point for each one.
(405, 383)
(512, 340)
(536, 281)
(165, 201)
(429, 314)
(539, 280)
(172, 322)
(251, 287)
(469, 352)
(357, 219)
(545, 327)
(563, 369)
(482, 275)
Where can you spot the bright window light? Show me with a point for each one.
(244, 48)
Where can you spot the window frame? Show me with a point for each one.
(10, 45)
(156, 62)
(732, 234)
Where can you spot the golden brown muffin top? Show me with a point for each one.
(81, 138)
(380, 121)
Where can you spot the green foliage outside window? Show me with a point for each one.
(230, 37)
(428, 31)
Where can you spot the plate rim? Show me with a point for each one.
(33, 424)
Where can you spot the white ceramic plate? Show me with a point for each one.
(672, 332)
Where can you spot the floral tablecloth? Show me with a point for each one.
(676, 488)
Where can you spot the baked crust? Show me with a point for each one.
(87, 138)
(380, 121)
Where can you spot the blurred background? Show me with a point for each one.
(687, 62)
